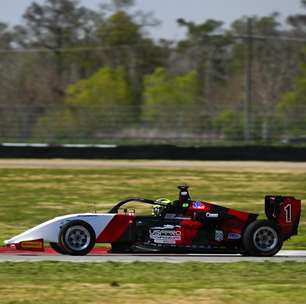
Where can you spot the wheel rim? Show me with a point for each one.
(77, 238)
(265, 238)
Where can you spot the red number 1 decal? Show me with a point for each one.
(288, 211)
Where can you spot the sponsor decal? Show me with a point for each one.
(198, 205)
(219, 236)
(170, 215)
(234, 236)
(35, 245)
(185, 205)
(212, 215)
(165, 235)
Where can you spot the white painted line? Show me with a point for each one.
(105, 146)
(286, 255)
(42, 145)
(75, 146)
(88, 146)
(35, 145)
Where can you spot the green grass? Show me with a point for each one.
(31, 196)
(237, 283)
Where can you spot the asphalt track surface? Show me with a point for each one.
(101, 255)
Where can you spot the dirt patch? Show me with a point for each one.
(234, 166)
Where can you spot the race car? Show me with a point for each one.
(181, 226)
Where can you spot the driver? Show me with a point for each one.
(178, 206)
(157, 209)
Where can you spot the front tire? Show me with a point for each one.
(77, 238)
(57, 248)
(262, 238)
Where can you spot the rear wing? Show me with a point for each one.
(286, 211)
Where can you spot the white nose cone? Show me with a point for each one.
(49, 231)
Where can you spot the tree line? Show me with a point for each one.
(70, 73)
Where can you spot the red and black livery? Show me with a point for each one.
(198, 226)
(184, 225)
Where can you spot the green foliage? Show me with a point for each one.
(292, 105)
(107, 87)
(171, 99)
(188, 86)
(102, 102)
(57, 23)
(117, 5)
(197, 32)
(129, 48)
(93, 105)
(5, 36)
(119, 30)
(57, 125)
(206, 48)
(161, 88)
(268, 25)
(297, 96)
(230, 123)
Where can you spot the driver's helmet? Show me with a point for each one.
(157, 209)
(164, 201)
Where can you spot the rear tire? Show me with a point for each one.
(77, 238)
(262, 238)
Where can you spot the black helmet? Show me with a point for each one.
(184, 194)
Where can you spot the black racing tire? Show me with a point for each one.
(77, 238)
(262, 238)
(57, 248)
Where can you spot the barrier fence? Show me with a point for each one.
(164, 125)
(226, 91)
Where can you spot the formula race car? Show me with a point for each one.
(182, 226)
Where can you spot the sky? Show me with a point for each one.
(168, 11)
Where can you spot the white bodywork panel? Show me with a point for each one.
(49, 231)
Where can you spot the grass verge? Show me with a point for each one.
(31, 196)
(52, 282)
